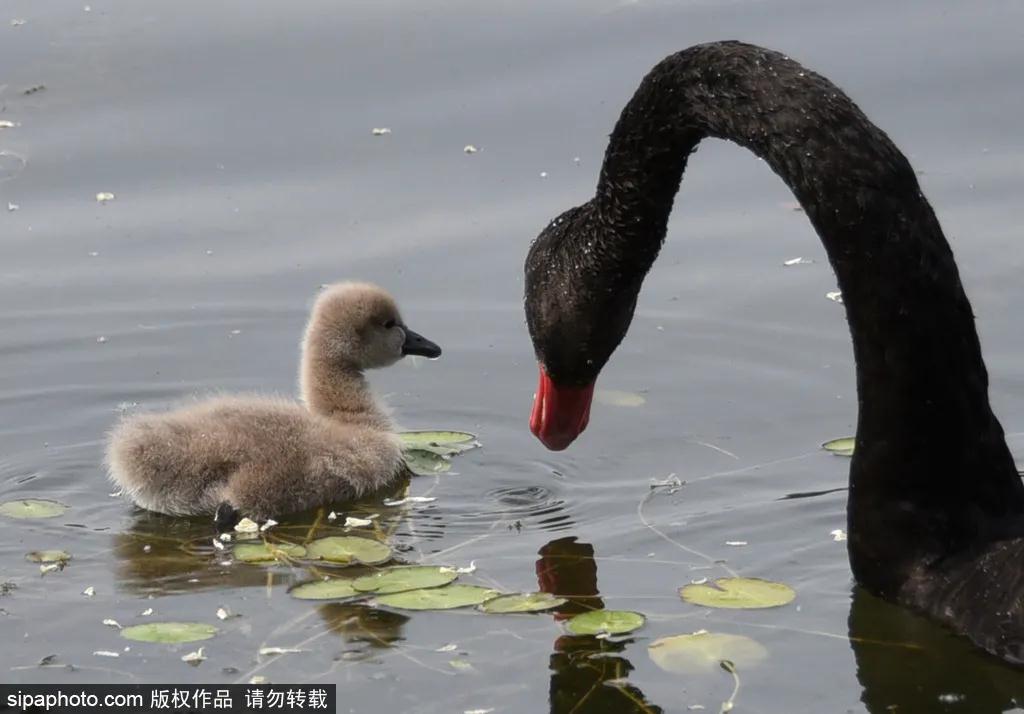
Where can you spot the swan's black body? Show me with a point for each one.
(935, 505)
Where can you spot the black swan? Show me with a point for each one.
(936, 506)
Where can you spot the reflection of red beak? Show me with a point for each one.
(560, 414)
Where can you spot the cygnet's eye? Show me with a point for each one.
(389, 324)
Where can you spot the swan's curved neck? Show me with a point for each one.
(931, 458)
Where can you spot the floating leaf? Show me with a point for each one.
(424, 463)
(618, 398)
(414, 577)
(444, 598)
(704, 651)
(48, 556)
(420, 439)
(333, 589)
(169, 632)
(840, 447)
(32, 508)
(267, 552)
(349, 549)
(738, 593)
(522, 602)
(612, 622)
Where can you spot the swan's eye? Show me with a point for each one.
(389, 324)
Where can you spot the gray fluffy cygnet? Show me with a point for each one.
(265, 456)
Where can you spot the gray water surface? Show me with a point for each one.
(236, 138)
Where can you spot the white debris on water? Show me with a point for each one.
(104, 196)
(194, 658)
(381, 131)
(409, 499)
(247, 525)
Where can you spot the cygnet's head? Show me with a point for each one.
(359, 325)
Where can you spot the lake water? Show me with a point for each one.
(236, 139)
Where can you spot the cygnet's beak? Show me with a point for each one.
(416, 344)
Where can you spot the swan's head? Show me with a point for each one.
(359, 325)
(580, 296)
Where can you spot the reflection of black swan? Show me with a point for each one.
(935, 506)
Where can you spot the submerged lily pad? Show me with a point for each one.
(267, 552)
(443, 598)
(840, 447)
(611, 622)
(400, 579)
(425, 463)
(333, 589)
(32, 508)
(48, 556)
(522, 602)
(739, 593)
(704, 651)
(349, 549)
(618, 398)
(169, 632)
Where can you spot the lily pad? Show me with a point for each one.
(522, 602)
(420, 439)
(840, 447)
(349, 549)
(444, 598)
(396, 580)
(32, 508)
(333, 589)
(424, 463)
(611, 622)
(48, 556)
(169, 632)
(703, 651)
(267, 552)
(739, 593)
(618, 398)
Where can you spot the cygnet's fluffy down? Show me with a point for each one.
(264, 456)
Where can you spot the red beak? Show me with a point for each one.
(560, 414)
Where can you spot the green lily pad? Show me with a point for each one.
(32, 508)
(612, 622)
(349, 549)
(420, 439)
(840, 447)
(413, 577)
(739, 593)
(522, 602)
(48, 556)
(424, 463)
(703, 651)
(618, 398)
(444, 598)
(267, 552)
(333, 589)
(169, 632)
